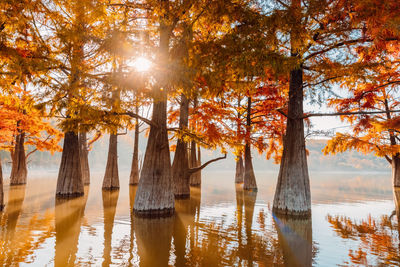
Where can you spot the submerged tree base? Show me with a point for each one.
(290, 213)
(68, 195)
(154, 213)
(182, 196)
(110, 188)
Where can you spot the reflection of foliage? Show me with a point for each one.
(18, 244)
(376, 237)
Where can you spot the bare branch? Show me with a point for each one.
(193, 170)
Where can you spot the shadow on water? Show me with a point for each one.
(68, 220)
(110, 199)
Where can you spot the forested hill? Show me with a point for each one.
(317, 161)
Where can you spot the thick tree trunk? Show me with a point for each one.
(110, 199)
(84, 154)
(295, 239)
(134, 177)
(155, 195)
(111, 176)
(180, 165)
(195, 178)
(239, 176)
(249, 177)
(68, 219)
(1, 188)
(69, 182)
(19, 170)
(292, 195)
(396, 170)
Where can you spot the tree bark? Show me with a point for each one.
(292, 195)
(239, 176)
(396, 170)
(155, 196)
(134, 176)
(155, 193)
(249, 177)
(19, 170)
(1, 188)
(84, 153)
(295, 239)
(180, 165)
(110, 199)
(195, 178)
(111, 176)
(69, 182)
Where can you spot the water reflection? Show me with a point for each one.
(68, 221)
(153, 237)
(16, 241)
(378, 237)
(220, 225)
(295, 239)
(110, 199)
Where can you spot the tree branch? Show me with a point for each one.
(347, 113)
(193, 170)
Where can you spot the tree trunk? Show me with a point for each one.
(396, 170)
(69, 182)
(239, 176)
(292, 195)
(84, 153)
(295, 239)
(111, 176)
(195, 178)
(134, 177)
(249, 177)
(180, 165)
(18, 169)
(155, 196)
(1, 188)
(110, 199)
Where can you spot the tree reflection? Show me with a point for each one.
(295, 239)
(187, 211)
(378, 243)
(110, 199)
(18, 242)
(153, 239)
(68, 220)
(132, 251)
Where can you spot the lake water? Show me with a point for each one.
(353, 223)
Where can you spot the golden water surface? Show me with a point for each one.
(353, 222)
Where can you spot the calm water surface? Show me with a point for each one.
(353, 223)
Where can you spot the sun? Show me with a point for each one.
(141, 64)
